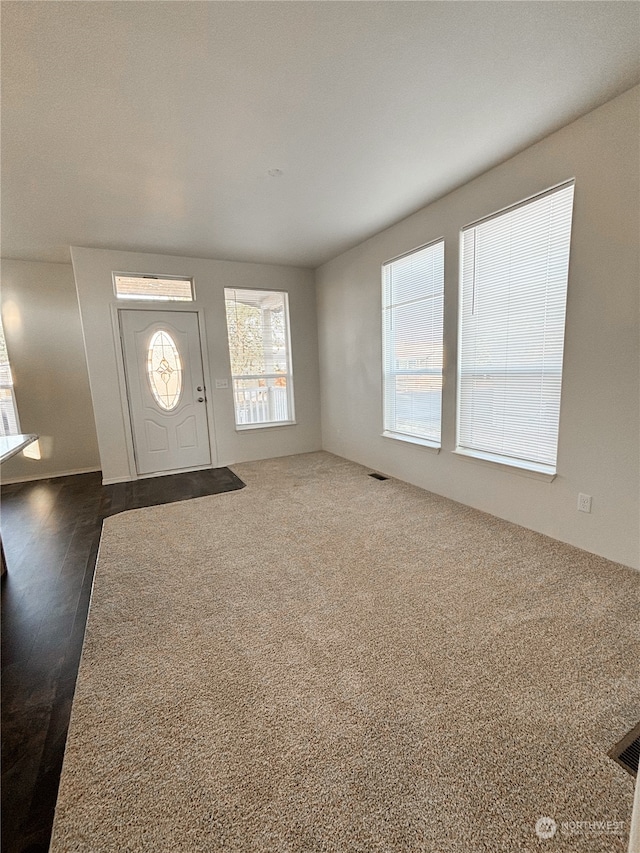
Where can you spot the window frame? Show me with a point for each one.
(151, 297)
(8, 385)
(388, 431)
(495, 458)
(288, 375)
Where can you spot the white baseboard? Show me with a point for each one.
(110, 481)
(52, 475)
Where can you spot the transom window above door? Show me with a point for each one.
(153, 288)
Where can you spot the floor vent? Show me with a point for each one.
(378, 476)
(627, 751)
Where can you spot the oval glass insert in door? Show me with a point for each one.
(164, 370)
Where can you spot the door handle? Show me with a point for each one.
(199, 388)
(201, 399)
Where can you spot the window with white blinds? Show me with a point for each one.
(512, 316)
(412, 311)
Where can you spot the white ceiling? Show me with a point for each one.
(152, 126)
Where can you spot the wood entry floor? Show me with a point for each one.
(51, 531)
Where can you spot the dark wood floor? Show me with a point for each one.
(51, 530)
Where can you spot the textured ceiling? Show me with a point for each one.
(152, 126)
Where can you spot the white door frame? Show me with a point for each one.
(134, 305)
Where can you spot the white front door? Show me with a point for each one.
(165, 388)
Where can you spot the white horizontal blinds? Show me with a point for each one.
(413, 292)
(512, 317)
(153, 288)
(258, 329)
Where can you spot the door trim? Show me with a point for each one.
(122, 382)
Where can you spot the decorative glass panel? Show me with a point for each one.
(164, 369)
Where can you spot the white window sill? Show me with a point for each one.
(412, 439)
(269, 425)
(524, 469)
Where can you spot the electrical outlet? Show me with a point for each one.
(584, 503)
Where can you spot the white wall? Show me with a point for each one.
(44, 339)
(93, 273)
(599, 428)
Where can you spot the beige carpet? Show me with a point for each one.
(325, 662)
